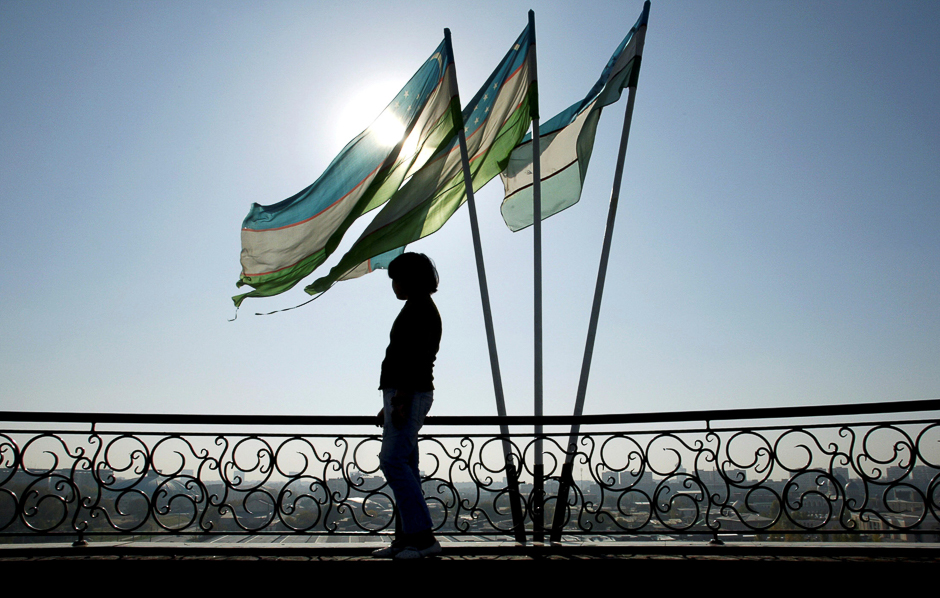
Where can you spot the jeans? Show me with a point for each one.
(399, 462)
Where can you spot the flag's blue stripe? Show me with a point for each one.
(361, 156)
(477, 107)
(384, 259)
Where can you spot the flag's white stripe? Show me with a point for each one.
(266, 251)
(360, 270)
(559, 150)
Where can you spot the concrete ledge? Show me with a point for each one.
(794, 551)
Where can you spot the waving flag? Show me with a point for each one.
(284, 242)
(494, 122)
(566, 141)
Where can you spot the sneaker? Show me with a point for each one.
(388, 552)
(410, 553)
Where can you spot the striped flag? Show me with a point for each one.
(284, 242)
(566, 141)
(494, 122)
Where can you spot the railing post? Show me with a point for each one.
(515, 502)
(80, 542)
(561, 502)
(538, 503)
(714, 541)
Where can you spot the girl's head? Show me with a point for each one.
(414, 273)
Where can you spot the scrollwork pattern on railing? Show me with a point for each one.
(799, 482)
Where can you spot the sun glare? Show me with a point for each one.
(361, 108)
(388, 129)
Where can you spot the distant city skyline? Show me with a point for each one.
(776, 242)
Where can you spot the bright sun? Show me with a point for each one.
(365, 106)
(388, 129)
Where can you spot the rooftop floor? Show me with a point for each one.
(651, 551)
(476, 568)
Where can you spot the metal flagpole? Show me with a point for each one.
(538, 466)
(567, 480)
(512, 476)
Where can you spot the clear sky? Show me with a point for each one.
(777, 243)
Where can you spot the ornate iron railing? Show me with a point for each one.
(830, 473)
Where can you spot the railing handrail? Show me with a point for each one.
(451, 420)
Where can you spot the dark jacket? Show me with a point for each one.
(412, 348)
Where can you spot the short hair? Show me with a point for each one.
(415, 273)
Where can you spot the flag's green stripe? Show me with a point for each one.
(429, 216)
(275, 283)
(614, 88)
(496, 158)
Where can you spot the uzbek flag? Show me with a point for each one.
(566, 141)
(284, 242)
(494, 122)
